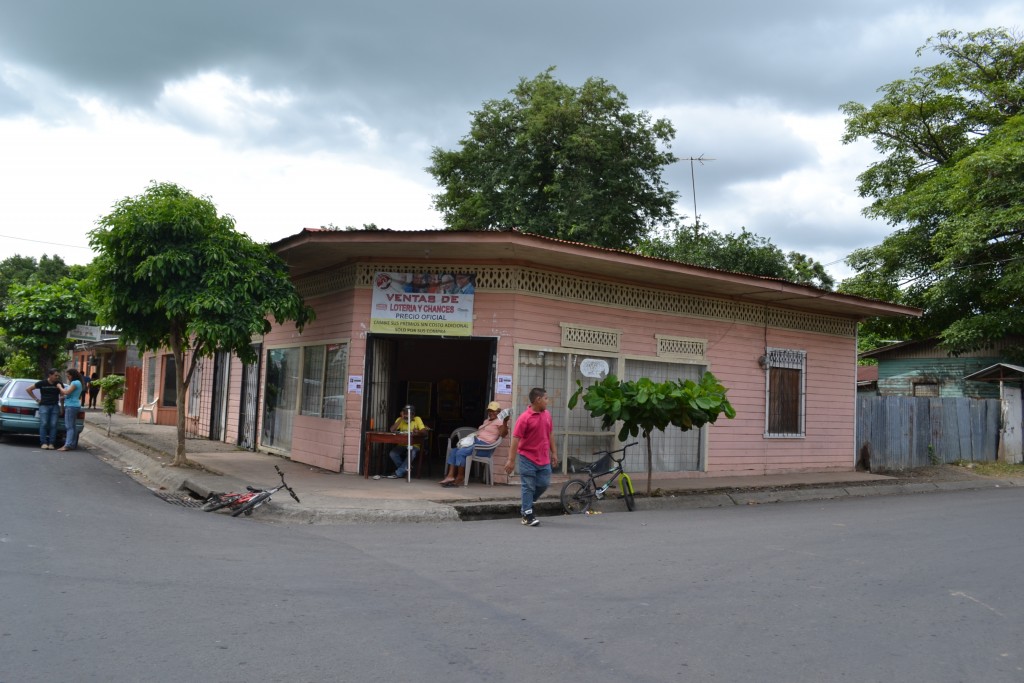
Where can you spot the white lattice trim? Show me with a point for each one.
(327, 281)
(566, 287)
(682, 348)
(587, 337)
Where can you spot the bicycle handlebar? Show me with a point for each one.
(620, 450)
(286, 486)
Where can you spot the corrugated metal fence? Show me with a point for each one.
(903, 432)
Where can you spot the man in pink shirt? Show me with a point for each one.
(533, 449)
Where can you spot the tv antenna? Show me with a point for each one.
(693, 182)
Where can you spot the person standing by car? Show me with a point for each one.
(49, 389)
(72, 405)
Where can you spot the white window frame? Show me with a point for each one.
(789, 359)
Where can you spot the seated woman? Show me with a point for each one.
(490, 431)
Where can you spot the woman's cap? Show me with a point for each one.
(494, 405)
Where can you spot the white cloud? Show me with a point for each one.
(222, 102)
(57, 180)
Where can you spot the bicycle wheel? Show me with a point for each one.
(576, 496)
(254, 503)
(217, 502)
(626, 486)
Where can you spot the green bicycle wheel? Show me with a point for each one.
(626, 486)
(577, 495)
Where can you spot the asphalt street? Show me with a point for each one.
(100, 580)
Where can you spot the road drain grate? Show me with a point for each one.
(182, 499)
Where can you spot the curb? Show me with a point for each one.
(202, 483)
(130, 460)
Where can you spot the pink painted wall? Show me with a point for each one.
(734, 446)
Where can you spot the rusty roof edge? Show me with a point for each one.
(516, 239)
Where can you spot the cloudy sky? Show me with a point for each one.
(316, 112)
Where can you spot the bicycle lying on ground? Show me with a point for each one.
(579, 494)
(245, 503)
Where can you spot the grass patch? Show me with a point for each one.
(994, 469)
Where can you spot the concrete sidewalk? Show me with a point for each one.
(333, 498)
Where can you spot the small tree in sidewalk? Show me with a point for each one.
(173, 273)
(112, 387)
(644, 406)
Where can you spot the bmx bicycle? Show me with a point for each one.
(579, 494)
(245, 503)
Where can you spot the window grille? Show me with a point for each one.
(785, 385)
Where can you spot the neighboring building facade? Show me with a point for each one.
(451, 320)
(104, 355)
(922, 368)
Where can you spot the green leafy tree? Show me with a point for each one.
(952, 184)
(112, 387)
(742, 253)
(643, 406)
(560, 161)
(15, 270)
(25, 270)
(20, 364)
(37, 319)
(173, 273)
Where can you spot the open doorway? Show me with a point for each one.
(450, 381)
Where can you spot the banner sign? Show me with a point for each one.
(423, 303)
(86, 333)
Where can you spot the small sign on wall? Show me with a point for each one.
(355, 384)
(503, 385)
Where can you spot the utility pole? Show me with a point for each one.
(693, 182)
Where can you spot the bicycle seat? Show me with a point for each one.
(253, 489)
(603, 464)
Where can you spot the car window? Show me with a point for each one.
(18, 389)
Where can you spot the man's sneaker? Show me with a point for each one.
(393, 475)
(529, 519)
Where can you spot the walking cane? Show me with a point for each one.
(408, 451)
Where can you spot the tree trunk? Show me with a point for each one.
(180, 459)
(650, 461)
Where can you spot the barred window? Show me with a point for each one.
(785, 371)
(169, 397)
(151, 362)
(323, 381)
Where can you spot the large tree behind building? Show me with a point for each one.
(952, 184)
(36, 319)
(26, 270)
(22, 342)
(739, 253)
(173, 273)
(561, 161)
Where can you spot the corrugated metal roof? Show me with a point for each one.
(1000, 372)
(315, 250)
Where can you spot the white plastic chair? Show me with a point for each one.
(485, 461)
(150, 409)
(454, 438)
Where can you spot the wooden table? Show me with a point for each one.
(392, 438)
